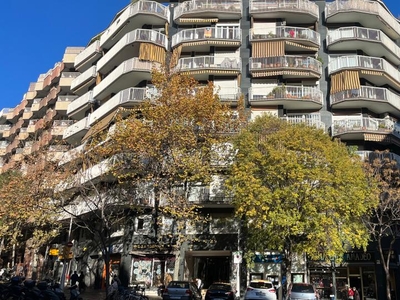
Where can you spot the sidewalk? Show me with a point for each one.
(92, 294)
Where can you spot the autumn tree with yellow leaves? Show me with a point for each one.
(299, 192)
(27, 217)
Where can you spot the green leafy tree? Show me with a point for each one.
(298, 191)
(383, 222)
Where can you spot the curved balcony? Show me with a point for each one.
(76, 131)
(88, 57)
(130, 72)
(371, 41)
(301, 11)
(200, 39)
(376, 99)
(297, 38)
(62, 103)
(289, 66)
(122, 50)
(134, 16)
(376, 70)
(291, 97)
(202, 66)
(126, 98)
(366, 128)
(206, 9)
(77, 108)
(81, 84)
(369, 14)
(230, 95)
(312, 120)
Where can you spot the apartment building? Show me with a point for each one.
(331, 64)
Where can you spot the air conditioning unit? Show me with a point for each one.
(283, 23)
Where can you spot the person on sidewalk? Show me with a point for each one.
(74, 278)
(332, 291)
(81, 281)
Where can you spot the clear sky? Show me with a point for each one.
(34, 35)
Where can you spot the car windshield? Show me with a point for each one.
(178, 284)
(261, 285)
(302, 289)
(223, 287)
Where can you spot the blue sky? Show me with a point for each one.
(34, 35)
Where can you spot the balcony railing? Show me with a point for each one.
(296, 6)
(84, 77)
(77, 127)
(287, 61)
(229, 94)
(287, 32)
(137, 35)
(80, 102)
(368, 93)
(363, 62)
(372, 155)
(361, 33)
(209, 63)
(365, 6)
(301, 93)
(313, 120)
(228, 33)
(130, 65)
(66, 98)
(89, 52)
(146, 7)
(135, 95)
(215, 6)
(362, 124)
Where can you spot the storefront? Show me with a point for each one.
(358, 269)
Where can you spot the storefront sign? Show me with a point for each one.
(148, 247)
(359, 257)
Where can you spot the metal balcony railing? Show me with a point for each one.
(226, 33)
(209, 62)
(298, 6)
(193, 6)
(287, 32)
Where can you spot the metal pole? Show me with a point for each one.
(334, 277)
(65, 263)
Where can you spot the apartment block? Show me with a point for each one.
(330, 64)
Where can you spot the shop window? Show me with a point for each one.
(354, 270)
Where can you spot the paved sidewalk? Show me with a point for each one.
(93, 294)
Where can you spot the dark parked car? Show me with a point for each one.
(220, 291)
(181, 290)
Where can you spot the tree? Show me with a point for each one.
(157, 155)
(383, 222)
(26, 214)
(298, 191)
(169, 145)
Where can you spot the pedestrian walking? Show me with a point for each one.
(356, 294)
(74, 278)
(350, 293)
(332, 291)
(82, 284)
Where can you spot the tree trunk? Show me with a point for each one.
(386, 265)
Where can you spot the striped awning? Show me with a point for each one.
(198, 20)
(283, 72)
(151, 52)
(345, 80)
(382, 138)
(176, 54)
(212, 42)
(315, 49)
(369, 72)
(100, 125)
(268, 49)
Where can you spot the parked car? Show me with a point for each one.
(260, 290)
(302, 291)
(181, 290)
(220, 291)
